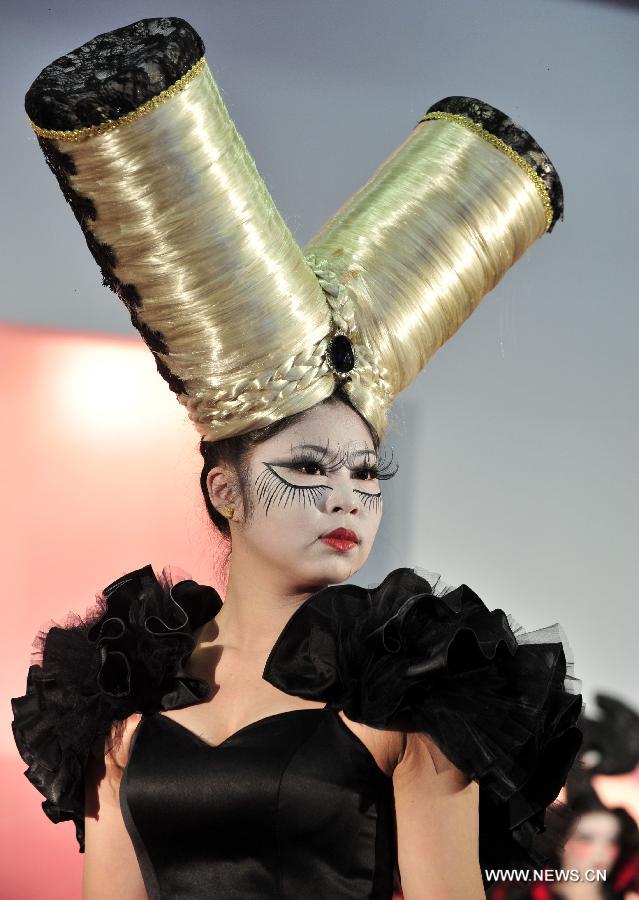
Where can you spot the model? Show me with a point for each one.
(307, 737)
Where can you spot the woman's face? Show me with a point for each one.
(593, 843)
(315, 476)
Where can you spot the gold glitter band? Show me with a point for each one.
(81, 134)
(538, 181)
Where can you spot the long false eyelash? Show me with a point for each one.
(275, 489)
(382, 470)
(369, 500)
(387, 467)
(301, 458)
(330, 462)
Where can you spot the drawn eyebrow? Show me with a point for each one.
(316, 447)
(319, 449)
(368, 452)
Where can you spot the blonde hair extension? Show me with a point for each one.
(193, 227)
(432, 231)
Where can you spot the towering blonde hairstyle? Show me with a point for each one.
(245, 326)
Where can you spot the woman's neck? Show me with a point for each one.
(258, 603)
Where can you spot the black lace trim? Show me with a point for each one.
(503, 127)
(62, 166)
(113, 74)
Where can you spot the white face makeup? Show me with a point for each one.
(316, 476)
(593, 843)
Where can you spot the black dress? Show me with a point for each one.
(294, 804)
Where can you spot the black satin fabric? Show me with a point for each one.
(293, 805)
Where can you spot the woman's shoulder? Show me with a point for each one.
(415, 654)
(117, 746)
(94, 675)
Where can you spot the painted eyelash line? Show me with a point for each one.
(272, 486)
(373, 500)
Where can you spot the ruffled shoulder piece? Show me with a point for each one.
(124, 657)
(415, 655)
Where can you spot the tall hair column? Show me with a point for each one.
(246, 327)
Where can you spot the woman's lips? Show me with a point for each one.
(341, 539)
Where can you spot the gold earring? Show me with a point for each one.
(229, 512)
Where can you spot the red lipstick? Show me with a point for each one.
(341, 539)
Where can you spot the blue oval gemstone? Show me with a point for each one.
(341, 354)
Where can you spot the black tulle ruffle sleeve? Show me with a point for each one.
(124, 657)
(413, 655)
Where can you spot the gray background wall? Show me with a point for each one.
(518, 445)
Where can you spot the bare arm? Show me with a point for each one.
(437, 812)
(110, 865)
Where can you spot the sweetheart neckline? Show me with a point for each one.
(244, 728)
(287, 712)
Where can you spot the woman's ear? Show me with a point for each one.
(224, 491)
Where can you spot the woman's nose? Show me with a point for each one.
(342, 497)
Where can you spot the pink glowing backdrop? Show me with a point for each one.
(100, 476)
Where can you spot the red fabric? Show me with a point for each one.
(540, 891)
(628, 876)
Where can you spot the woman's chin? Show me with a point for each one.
(340, 566)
